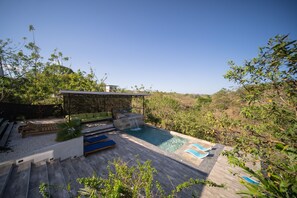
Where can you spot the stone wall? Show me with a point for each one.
(129, 121)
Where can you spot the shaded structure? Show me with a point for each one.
(76, 102)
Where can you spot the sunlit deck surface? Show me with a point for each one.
(171, 170)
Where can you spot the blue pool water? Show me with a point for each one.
(162, 139)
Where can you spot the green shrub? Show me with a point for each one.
(126, 181)
(132, 181)
(69, 130)
(87, 117)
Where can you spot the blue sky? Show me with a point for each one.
(169, 45)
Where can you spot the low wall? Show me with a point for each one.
(13, 111)
(63, 150)
(129, 122)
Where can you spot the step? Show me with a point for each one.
(1, 120)
(80, 168)
(93, 133)
(56, 180)
(88, 168)
(18, 183)
(3, 127)
(97, 128)
(70, 175)
(94, 161)
(6, 134)
(5, 172)
(39, 174)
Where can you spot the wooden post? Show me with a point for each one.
(64, 108)
(69, 111)
(143, 106)
(104, 103)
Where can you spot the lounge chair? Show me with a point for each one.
(92, 140)
(31, 128)
(200, 147)
(196, 153)
(250, 180)
(92, 148)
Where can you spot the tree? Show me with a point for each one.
(29, 79)
(275, 69)
(270, 111)
(202, 101)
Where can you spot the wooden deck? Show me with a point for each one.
(171, 171)
(23, 180)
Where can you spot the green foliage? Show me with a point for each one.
(69, 130)
(161, 108)
(200, 120)
(280, 182)
(253, 119)
(29, 79)
(222, 99)
(272, 73)
(88, 117)
(125, 181)
(43, 190)
(269, 118)
(194, 124)
(202, 101)
(132, 181)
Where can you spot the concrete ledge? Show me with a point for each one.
(63, 150)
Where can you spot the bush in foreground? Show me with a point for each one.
(128, 181)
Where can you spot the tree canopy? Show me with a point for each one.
(269, 94)
(31, 80)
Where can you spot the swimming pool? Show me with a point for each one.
(159, 138)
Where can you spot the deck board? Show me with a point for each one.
(170, 172)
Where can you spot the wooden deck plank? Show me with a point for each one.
(170, 172)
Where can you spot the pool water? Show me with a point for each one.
(159, 138)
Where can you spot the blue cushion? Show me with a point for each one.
(200, 147)
(250, 180)
(98, 146)
(196, 154)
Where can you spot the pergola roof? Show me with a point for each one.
(66, 92)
